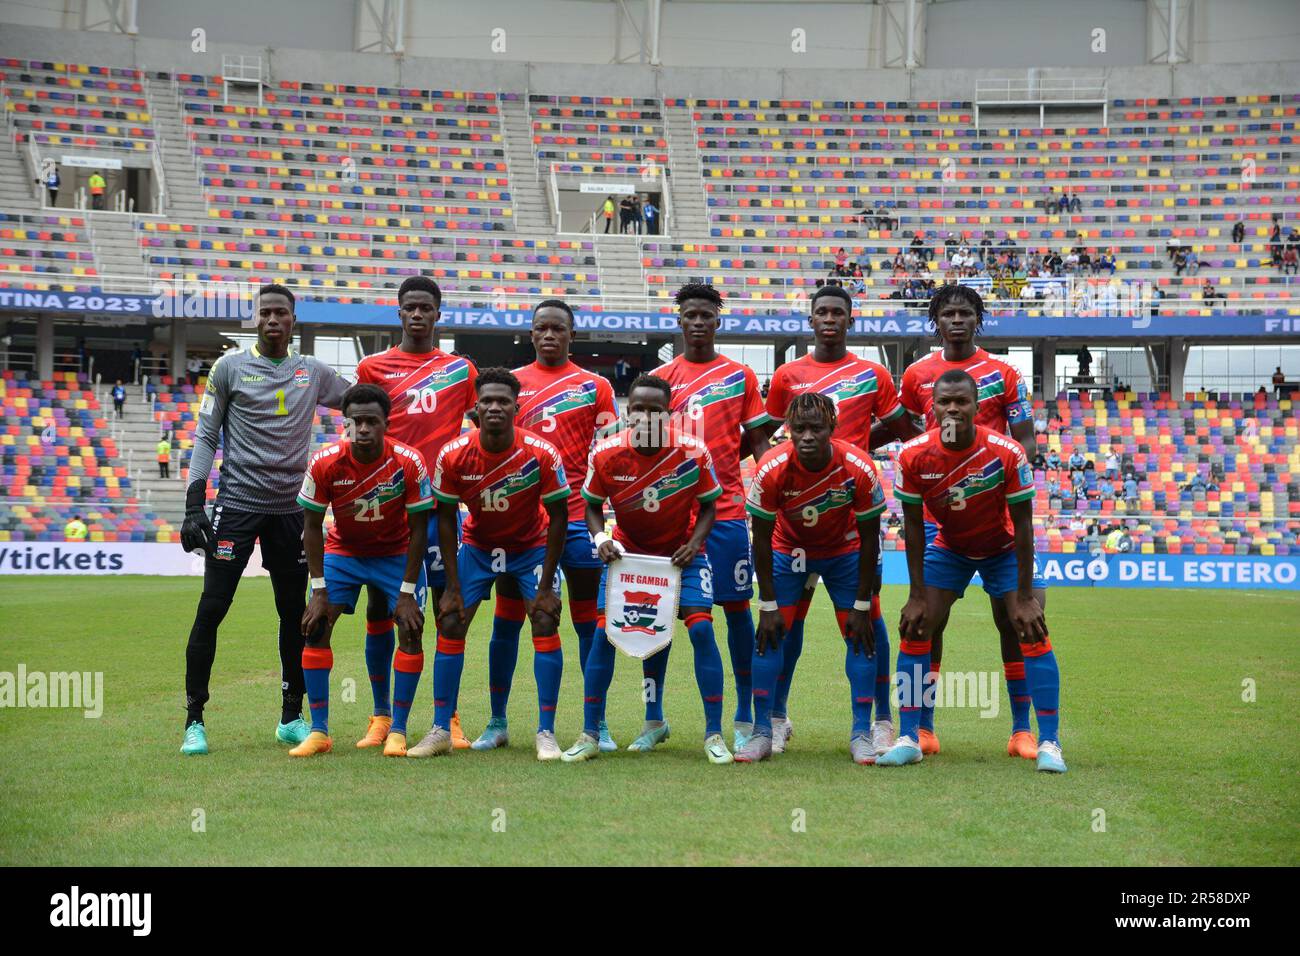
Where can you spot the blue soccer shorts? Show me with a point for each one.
(839, 574)
(579, 549)
(345, 576)
(932, 532)
(732, 560)
(697, 584)
(479, 568)
(434, 569)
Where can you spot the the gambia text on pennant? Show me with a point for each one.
(641, 593)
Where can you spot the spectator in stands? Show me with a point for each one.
(1157, 299)
(1238, 232)
(1105, 489)
(164, 451)
(1171, 247)
(1077, 461)
(1112, 465)
(1193, 263)
(651, 217)
(1053, 460)
(1209, 294)
(75, 530)
(97, 187)
(1251, 431)
(1040, 422)
(119, 398)
(841, 259)
(1104, 261)
(767, 384)
(1290, 260)
(1072, 262)
(638, 216)
(1131, 490)
(1079, 488)
(1049, 204)
(1275, 242)
(625, 215)
(1054, 493)
(1279, 382)
(1092, 539)
(1084, 359)
(192, 368)
(918, 247)
(1076, 204)
(52, 183)
(608, 209)
(1180, 262)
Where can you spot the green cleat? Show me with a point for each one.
(652, 734)
(496, 735)
(196, 740)
(742, 732)
(293, 733)
(607, 743)
(716, 750)
(586, 747)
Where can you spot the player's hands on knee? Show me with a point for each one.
(770, 632)
(407, 615)
(1027, 619)
(858, 631)
(545, 612)
(451, 612)
(684, 555)
(911, 623)
(197, 533)
(317, 612)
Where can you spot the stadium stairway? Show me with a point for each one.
(117, 251)
(137, 439)
(16, 186)
(184, 199)
(618, 259)
(689, 214)
(532, 210)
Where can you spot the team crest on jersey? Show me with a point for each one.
(301, 377)
(640, 613)
(730, 386)
(976, 482)
(990, 385)
(863, 383)
(225, 551)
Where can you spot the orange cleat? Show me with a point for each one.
(929, 742)
(376, 731)
(316, 743)
(395, 744)
(1022, 744)
(458, 740)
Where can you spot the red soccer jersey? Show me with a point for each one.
(967, 490)
(568, 407)
(370, 501)
(655, 497)
(504, 492)
(861, 391)
(1003, 398)
(430, 392)
(816, 510)
(728, 401)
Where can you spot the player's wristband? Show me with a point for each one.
(318, 584)
(600, 538)
(862, 605)
(768, 606)
(408, 587)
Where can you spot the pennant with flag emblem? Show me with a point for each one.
(641, 595)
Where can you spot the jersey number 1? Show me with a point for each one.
(279, 400)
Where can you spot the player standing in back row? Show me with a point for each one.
(260, 404)
(430, 391)
(863, 392)
(957, 312)
(716, 400)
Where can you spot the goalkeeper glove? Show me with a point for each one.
(196, 529)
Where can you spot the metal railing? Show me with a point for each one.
(1033, 88)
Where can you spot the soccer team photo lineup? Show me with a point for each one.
(650, 433)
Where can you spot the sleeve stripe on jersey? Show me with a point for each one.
(560, 494)
(594, 499)
(758, 512)
(449, 499)
(907, 496)
(313, 505)
(1021, 496)
(898, 410)
(871, 512)
(424, 504)
(762, 418)
(710, 495)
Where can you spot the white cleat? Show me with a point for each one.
(547, 748)
(782, 731)
(882, 735)
(435, 743)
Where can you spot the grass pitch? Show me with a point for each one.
(1155, 730)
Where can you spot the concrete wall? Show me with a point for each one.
(1011, 33)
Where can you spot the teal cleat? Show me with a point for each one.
(607, 743)
(495, 735)
(652, 735)
(741, 732)
(293, 733)
(196, 740)
(1049, 757)
(904, 752)
(586, 747)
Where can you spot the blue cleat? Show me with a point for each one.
(741, 732)
(652, 735)
(905, 751)
(607, 742)
(196, 740)
(1049, 757)
(293, 733)
(496, 735)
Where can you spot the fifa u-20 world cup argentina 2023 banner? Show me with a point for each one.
(648, 602)
(169, 303)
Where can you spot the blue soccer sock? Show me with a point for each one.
(740, 644)
(927, 704)
(380, 640)
(548, 669)
(1018, 691)
(1044, 679)
(595, 682)
(708, 669)
(913, 666)
(448, 663)
(584, 616)
(503, 651)
(654, 673)
(406, 678)
(766, 670)
(792, 648)
(861, 672)
(883, 657)
(316, 664)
